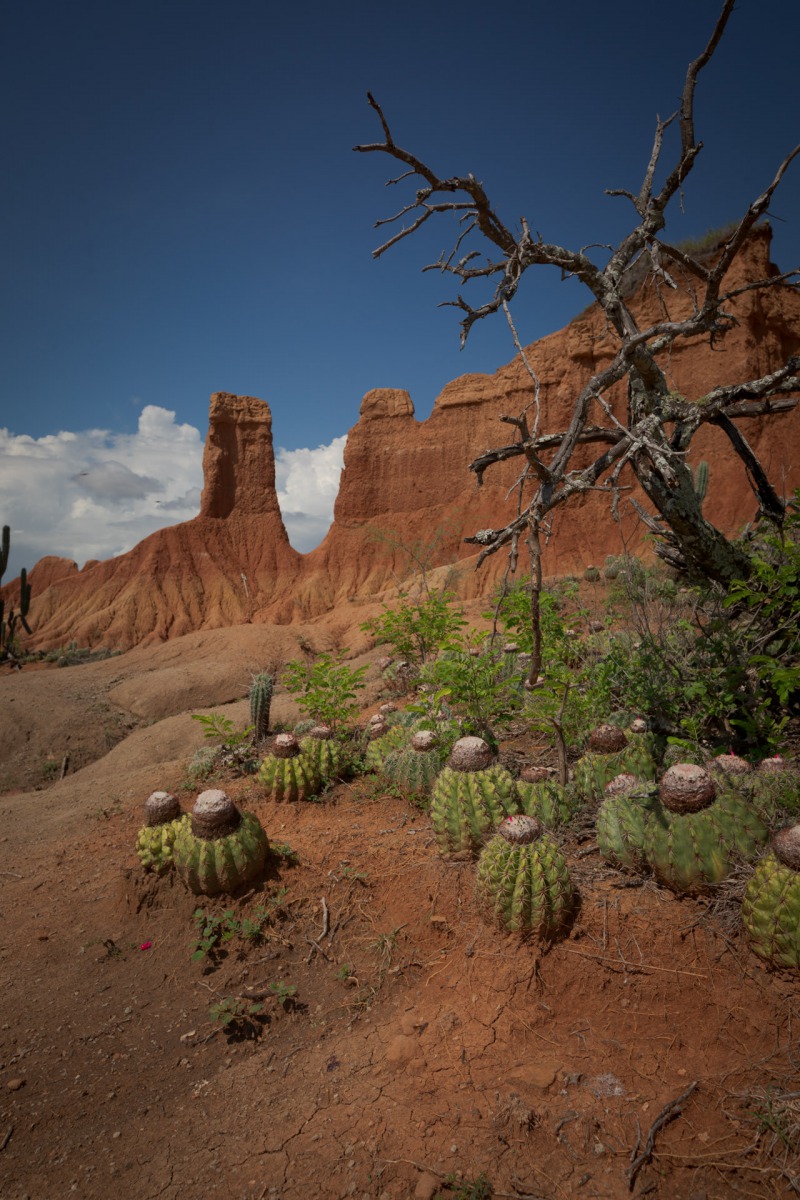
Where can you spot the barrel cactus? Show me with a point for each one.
(414, 767)
(219, 849)
(470, 797)
(684, 752)
(776, 791)
(698, 830)
(260, 702)
(522, 880)
(549, 802)
(286, 774)
(326, 752)
(621, 820)
(771, 903)
(387, 740)
(154, 841)
(612, 752)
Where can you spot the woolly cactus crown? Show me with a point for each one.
(424, 739)
(607, 739)
(286, 745)
(214, 815)
(535, 774)
(686, 788)
(159, 808)
(520, 830)
(471, 754)
(322, 733)
(786, 845)
(731, 764)
(624, 785)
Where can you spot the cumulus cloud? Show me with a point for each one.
(307, 482)
(95, 494)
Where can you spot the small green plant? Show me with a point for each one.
(284, 850)
(385, 945)
(419, 625)
(216, 929)
(238, 1015)
(345, 972)
(215, 726)
(284, 993)
(326, 689)
(213, 930)
(455, 1188)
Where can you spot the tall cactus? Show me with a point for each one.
(701, 482)
(260, 701)
(8, 624)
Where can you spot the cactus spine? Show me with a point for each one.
(286, 774)
(548, 802)
(260, 702)
(612, 753)
(328, 755)
(469, 801)
(771, 903)
(414, 768)
(522, 880)
(699, 829)
(701, 482)
(220, 848)
(621, 820)
(154, 841)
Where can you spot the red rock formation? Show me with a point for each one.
(222, 568)
(407, 481)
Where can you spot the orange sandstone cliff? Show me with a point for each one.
(407, 481)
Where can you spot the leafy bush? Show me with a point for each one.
(417, 627)
(715, 666)
(326, 689)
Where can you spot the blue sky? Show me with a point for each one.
(183, 213)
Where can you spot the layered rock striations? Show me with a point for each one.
(221, 568)
(406, 483)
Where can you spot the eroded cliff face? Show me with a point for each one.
(222, 568)
(407, 482)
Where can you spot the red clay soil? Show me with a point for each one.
(647, 1054)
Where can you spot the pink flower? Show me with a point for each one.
(145, 945)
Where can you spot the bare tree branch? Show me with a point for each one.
(656, 457)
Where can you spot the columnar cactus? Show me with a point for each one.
(549, 802)
(470, 797)
(699, 829)
(611, 752)
(621, 820)
(522, 880)
(260, 702)
(286, 774)
(220, 848)
(771, 903)
(154, 841)
(326, 752)
(414, 768)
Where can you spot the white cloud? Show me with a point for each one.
(307, 482)
(95, 494)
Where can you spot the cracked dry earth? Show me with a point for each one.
(421, 1048)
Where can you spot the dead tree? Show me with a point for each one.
(659, 425)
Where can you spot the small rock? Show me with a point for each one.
(14, 1085)
(427, 1186)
